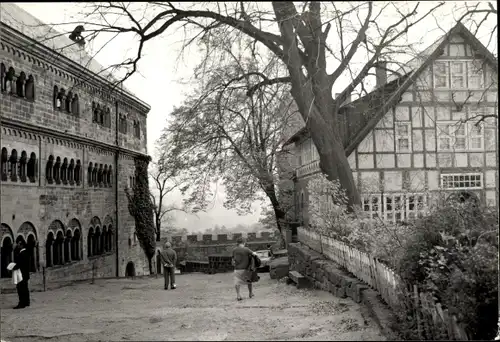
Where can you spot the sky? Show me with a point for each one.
(162, 82)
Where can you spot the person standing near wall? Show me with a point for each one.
(169, 258)
(241, 261)
(22, 263)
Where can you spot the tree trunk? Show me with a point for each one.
(158, 234)
(279, 214)
(150, 265)
(328, 141)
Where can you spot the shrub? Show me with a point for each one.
(452, 254)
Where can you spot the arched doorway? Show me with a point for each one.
(6, 255)
(31, 246)
(130, 269)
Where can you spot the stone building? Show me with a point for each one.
(68, 145)
(429, 134)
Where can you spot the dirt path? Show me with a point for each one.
(202, 308)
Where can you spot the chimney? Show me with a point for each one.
(381, 73)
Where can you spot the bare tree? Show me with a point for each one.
(302, 37)
(165, 180)
(220, 133)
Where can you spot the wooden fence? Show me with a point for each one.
(433, 322)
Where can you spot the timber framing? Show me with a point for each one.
(404, 82)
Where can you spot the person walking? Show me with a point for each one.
(241, 260)
(22, 263)
(169, 258)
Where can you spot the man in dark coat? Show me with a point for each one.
(169, 258)
(22, 261)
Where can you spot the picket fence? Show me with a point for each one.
(433, 322)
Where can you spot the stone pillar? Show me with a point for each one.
(69, 249)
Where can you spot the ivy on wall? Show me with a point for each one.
(141, 208)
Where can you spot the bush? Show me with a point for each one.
(452, 253)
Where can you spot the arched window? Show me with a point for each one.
(58, 250)
(31, 168)
(32, 248)
(20, 82)
(57, 171)
(100, 176)
(49, 246)
(101, 116)
(71, 172)
(108, 118)
(75, 105)
(94, 175)
(64, 171)
(13, 166)
(30, 88)
(104, 240)
(76, 245)
(96, 112)
(61, 97)
(49, 170)
(110, 238)
(22, 166)
(67, 102)
(78, 172)
(3, 74)
(90, 242)
(95, 243)
(67, 246)
(105, 176)
(7, 249)
(137, 129)
(10, 83)
(110, 176)
(55, 93)
(89, 174)
(4, 161)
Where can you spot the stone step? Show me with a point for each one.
(300, 281)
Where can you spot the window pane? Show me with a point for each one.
(457, 68)
(476, 143)
(444, 143)
(460, 130)
(440, 81)
(475, 68)
(460, 143)
(475, 82)
(457, 82)
(475, 130)
(403, 144)
(440, 67)
(402, 129)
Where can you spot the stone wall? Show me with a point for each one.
(324, 274)
(199, 247)
(35, 125)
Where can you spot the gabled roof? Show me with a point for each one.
(358, 118)
(18, 19)
(354, 116)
